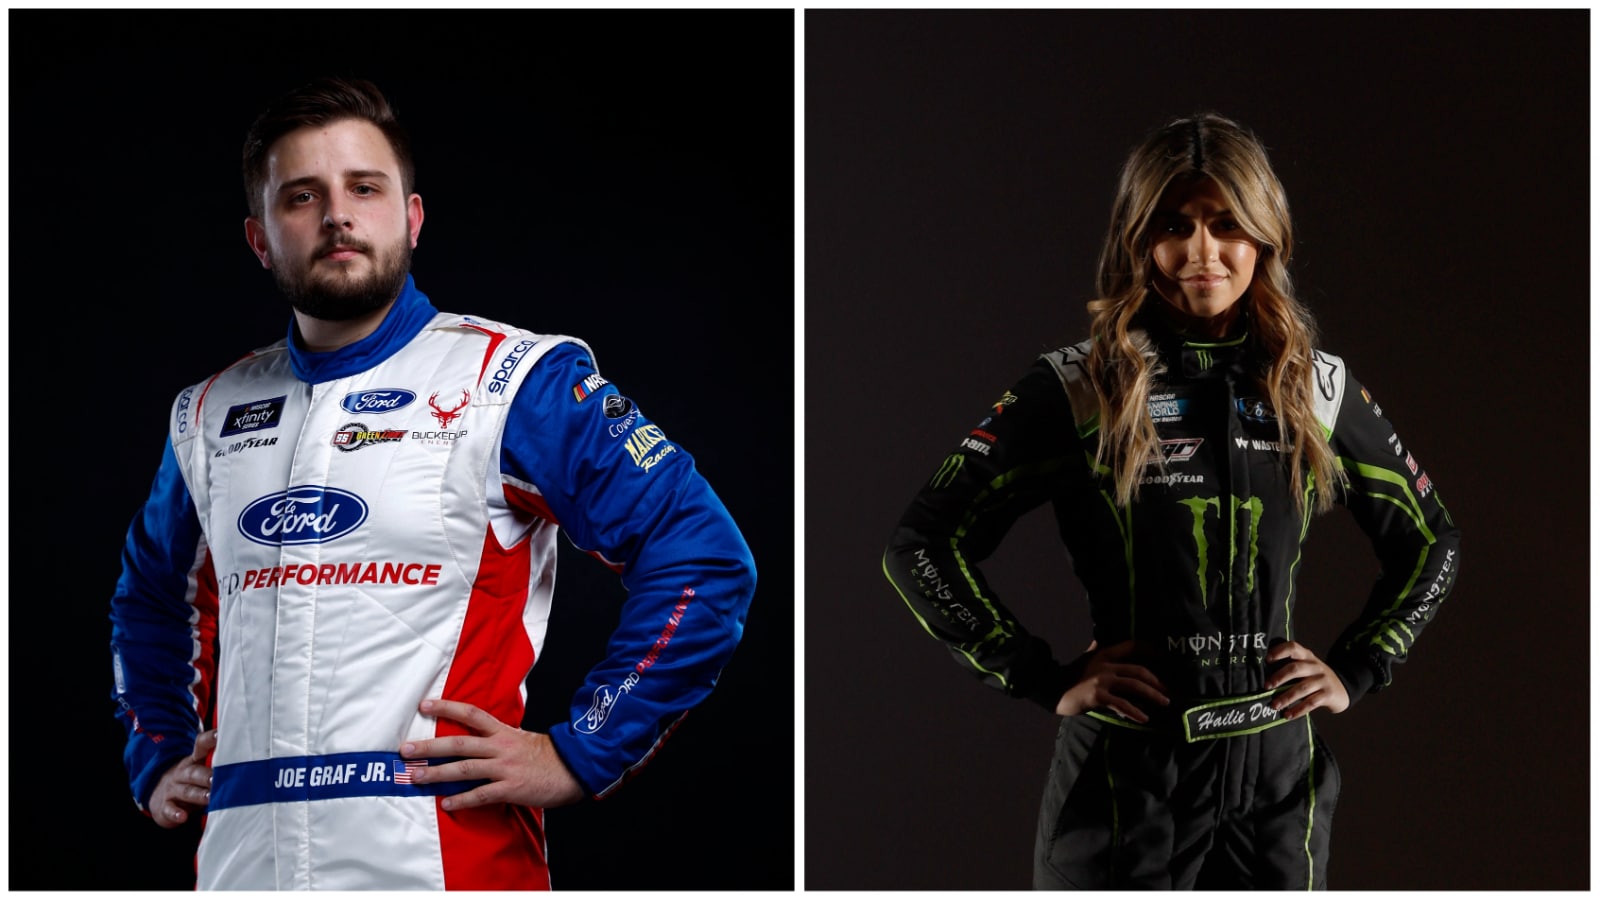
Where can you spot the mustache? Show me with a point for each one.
(349, 244)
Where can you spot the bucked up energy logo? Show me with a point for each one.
(305, 514)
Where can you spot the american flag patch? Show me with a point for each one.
(404, 769)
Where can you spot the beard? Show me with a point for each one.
(341, 296)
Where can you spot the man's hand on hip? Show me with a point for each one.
(522, 767)
(185, 787)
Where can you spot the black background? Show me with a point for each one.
(959, 172)
(625, 176)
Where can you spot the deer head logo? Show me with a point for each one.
(446, 417)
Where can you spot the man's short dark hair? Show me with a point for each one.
(320, 102)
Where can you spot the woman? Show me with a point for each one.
(1184, 448)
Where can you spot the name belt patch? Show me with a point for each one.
(1231, 716)
(358, 774)
(1220, 718)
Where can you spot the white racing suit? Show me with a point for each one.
(333, 537)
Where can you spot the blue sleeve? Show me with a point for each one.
(623, 490)
(163, 620)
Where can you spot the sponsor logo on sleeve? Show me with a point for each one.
(501, 379)
(1436, 591)
(184, 401)
(947, 472)
(1424, 485)
(253, 416)
(305, 514)
(377, 400)
(933, 586)
(980, 441)
(588, 386)
(1006, 400)
(620, 410)
(606, 698)
(617, 406)
(1411, 464)
(642, 446)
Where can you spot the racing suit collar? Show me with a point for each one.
(410, 312)
(1152, 316)
(1195, 356)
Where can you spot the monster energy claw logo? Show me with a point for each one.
(1198, 507)
(948, 471)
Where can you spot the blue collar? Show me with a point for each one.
(408, 315)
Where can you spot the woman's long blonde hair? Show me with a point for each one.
(1122, 359)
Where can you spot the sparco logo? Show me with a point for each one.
(378, 400)
(508, 363)
(184, 400)
(305, 514)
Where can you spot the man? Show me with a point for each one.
(346, 563)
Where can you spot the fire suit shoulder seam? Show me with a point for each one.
(513, 360)
(481, 325)
(1330, 375)
(184, 424)
(1071, 365)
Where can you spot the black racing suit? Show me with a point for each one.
(1199, 571)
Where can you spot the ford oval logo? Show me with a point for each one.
(377, 400)
(306, 514)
